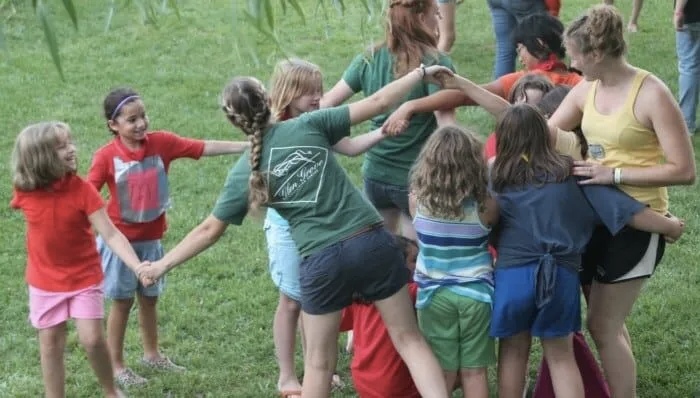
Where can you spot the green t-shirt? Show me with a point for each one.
(391, 159)
(307, 185)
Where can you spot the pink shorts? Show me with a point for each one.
(47, 309)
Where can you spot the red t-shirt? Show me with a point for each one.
(61, 250)
(377, 368)
(137, 181)
(557, 78)
(553, 7)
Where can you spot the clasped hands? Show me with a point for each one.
(398, 120)
(149, 273)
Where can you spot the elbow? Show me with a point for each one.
(381, 103)
(689, 176)
(211, 231)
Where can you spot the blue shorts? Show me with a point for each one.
(368, 265)
(284, 259)
(121, 282)
(387, 196)
(515, 308)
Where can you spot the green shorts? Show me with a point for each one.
(457, 329)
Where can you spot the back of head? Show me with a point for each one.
(449, 169)
(408, 37)
(247, 106)
(549, 104)
(35, 161)
(600, 30)
(115, 101)
(292, 79)
(529, 81)
(541, 34)
(525, 153)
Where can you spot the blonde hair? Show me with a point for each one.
(292, 79)
(35, 161)
(601, 29)
(247, 106)
(449, 169)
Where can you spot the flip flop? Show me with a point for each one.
(290, 393)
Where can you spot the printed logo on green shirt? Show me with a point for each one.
(298, 177)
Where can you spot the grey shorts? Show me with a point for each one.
(120, 282)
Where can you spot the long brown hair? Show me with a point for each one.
(525, 153)
(247, 106)
(407, 37)
(449, 169)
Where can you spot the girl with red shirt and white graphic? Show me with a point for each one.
(134, 165)
(63, 266)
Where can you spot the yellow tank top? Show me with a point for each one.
(620, 140)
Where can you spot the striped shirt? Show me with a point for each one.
(453, 254)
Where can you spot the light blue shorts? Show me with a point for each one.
(284, 259)
(121, 282)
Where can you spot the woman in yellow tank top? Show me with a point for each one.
(637, 140)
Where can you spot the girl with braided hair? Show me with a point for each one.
(345, 249)
(411, 40)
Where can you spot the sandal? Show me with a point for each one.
(163, 364)
(127, 378)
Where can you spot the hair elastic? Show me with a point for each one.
(119, 106)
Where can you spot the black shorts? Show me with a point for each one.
(630, 254)
(369, 266)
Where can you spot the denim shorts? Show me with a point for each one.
(515, 303)
(120, 281)
(387, 196)
(284, 259)
(369, 265)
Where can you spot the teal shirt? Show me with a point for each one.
(307, 186)
(390, 161)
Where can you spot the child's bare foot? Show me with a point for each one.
(632, 28)
(290, 389)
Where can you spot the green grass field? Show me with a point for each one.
(217, 312)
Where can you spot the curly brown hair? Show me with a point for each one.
(449, 169)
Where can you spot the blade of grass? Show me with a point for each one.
(50, 35)
(70, 8)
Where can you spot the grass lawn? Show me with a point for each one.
(216, 315)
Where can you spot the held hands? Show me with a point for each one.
(149, 273)
(678, 228)
(437, 74)
(397, 121)
(594, 173)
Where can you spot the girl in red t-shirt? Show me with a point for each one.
(63, 267)
(134, 166)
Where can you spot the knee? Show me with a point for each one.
(602, 332)
(92, 341)
(406, 337)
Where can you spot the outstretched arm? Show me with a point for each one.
(382, 100)
(199, 239)
(353, 146)
(215, 148)
(337, 95)
(493, 103)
